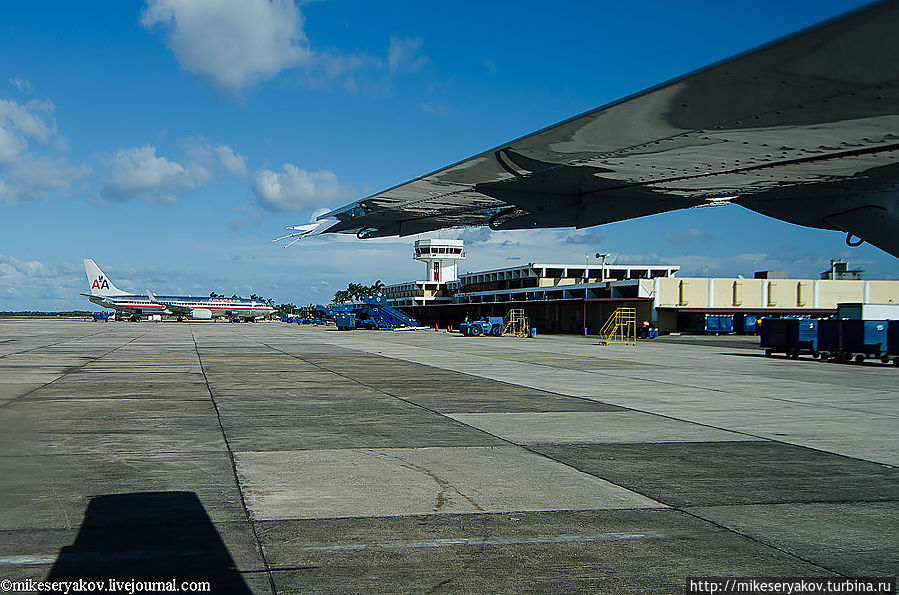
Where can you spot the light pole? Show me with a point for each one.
(586, 278)
(602, 256)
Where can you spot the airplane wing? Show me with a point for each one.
(805, 129)
(176, 310)
(179, 310)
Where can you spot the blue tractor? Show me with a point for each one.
(488, 325)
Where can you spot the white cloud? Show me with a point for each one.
(232, 42)
(11, 146)
(140, 174)
(219, 157)
(237, 43)
(586, 237)
(21, 84)
(296, 189)
(32, 119)
(233, 163)
(688, 236)
(436, 109)
(475, 235)
(403, 56)
(32, 284)
(28, 172)
(38, 178)
(13, 270)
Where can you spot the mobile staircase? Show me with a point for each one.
(621, 327)
(375, 313)
(516, 323)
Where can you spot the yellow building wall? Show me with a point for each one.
(693, 292)
(883, 292)
(738, 293)
(805, 293)
(833, 292)
(667, 297)
(784, 293)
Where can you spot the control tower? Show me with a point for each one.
(440, 258)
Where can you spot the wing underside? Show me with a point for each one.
(179, 310)
(805, 129)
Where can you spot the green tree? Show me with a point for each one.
(357, 291)
(282, 309)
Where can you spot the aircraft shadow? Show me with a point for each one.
(149, 536)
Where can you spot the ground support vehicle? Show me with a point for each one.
(488, 325)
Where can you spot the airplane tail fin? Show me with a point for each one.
(98, 282)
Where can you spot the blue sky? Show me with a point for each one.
(170, 140)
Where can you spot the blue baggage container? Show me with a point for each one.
(807, 334)
(772, 333)
(719, 323)
(864, 337)
(750, 324)
(829, 336)
(725, 323)
(790, 336)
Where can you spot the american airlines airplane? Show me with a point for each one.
(104, 293)
(805, 129)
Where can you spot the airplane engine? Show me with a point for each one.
(201, 314)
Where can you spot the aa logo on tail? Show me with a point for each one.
(100, 283)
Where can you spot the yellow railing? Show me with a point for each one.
(621, 327)
(516, 323)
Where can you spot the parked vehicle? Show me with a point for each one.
(488, 325)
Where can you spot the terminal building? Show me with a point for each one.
(570, 297)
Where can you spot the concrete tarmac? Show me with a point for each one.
(274, 458)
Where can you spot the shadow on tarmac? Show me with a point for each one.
(148, 536)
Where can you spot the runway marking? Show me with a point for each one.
(32, 560)
(479, 541)
(523, 359)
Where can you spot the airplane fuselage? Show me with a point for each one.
(142, 305)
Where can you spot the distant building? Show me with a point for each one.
(441, 258)
(771, 275)
(567, 297)
(839, 269)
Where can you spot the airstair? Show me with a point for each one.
(621, 327)
(374, 312)
(516, 323)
